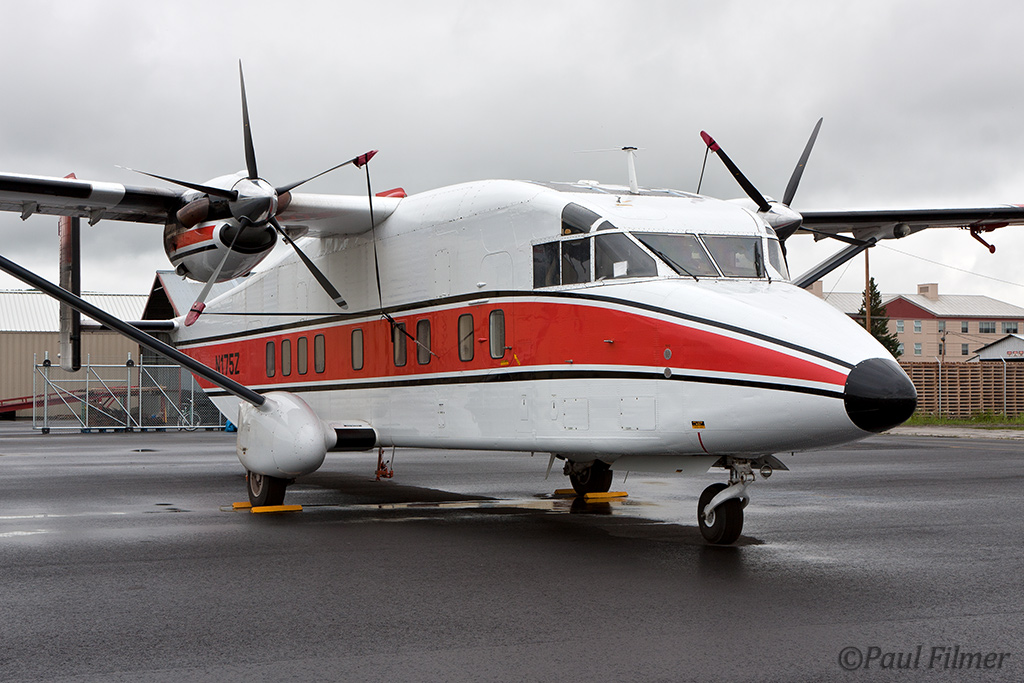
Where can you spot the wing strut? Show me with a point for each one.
(152, 343)
(832, 262)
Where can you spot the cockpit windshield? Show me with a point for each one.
(683, 253)
(737, 256)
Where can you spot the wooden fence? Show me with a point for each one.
(966, 389)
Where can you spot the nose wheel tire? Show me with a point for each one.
(265, 490)
(595, 478)
(725, 522)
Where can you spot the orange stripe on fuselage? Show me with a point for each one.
(539, 332)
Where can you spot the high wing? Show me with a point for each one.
(861, 230)
(29, 194)
(827, 223)
(323, 215)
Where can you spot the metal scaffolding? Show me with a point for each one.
(124, 397)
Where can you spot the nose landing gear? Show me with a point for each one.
(720, 507)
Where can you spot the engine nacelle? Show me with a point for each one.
(283, 438)
(196, 251)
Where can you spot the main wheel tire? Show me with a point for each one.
(596, 478)
(726, 521)
(265, 490)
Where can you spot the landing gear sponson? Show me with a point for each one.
(720, 506)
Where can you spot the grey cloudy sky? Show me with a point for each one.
(922, 104)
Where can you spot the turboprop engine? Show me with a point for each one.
(197, 252)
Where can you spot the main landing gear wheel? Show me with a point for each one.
(265, 490)
(593, 478)
(724, 524)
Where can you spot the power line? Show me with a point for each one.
(945, 265)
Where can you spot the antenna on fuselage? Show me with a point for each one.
(631, 167)
(634, 188)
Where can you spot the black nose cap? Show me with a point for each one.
(879, 395)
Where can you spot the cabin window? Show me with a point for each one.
(286, 357)
(302, 355)
(615, 255)
(575, 261)
(319, 353)
(737, 256)
(357, 349)
(466, 337)
(271, 362)
(497, 333)
(398, 340)
(545, 265)
(577, 219)
(423, 342)
(683, 253)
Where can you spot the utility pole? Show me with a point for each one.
(867, 292)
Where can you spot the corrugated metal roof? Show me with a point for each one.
(182, 292)
(965, 306)
(947, 305)
(33, 311)
(850, 302)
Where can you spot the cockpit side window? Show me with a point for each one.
(576, 261)
(577, 219)
(545, 265)
(737, 256)
(615, 255)
(777, 259)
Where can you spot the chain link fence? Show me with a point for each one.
(121, 398)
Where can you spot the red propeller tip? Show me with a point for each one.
(709, 141)
(363, 159)
(193, 314)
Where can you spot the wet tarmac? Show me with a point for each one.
(121, 559)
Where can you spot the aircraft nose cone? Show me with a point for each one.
(879, 395)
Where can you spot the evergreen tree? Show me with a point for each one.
(879, 320)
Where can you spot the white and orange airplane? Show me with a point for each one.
(614, 327)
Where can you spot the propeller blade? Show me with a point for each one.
(359, 161)
(311, 267)
(748, 187)
(250, 150)
(215, 191)
(798, 172)
(200, 305)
